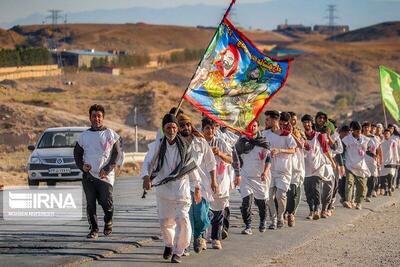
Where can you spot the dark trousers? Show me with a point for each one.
(247, 203)
(227, 215)
(293, 198)
(371, 184)
(217, 223)
(342, 187)
(96, 189)
(312, 188)
(398, 177)
(386, 182)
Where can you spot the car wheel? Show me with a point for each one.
(51, 183)
(33, 182)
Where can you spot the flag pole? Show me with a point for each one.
(383, 102)
(384, 111)
(228, 10)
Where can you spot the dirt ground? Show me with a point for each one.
(372, 241)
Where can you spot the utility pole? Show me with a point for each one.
(54, 15)
(136, 129)
(332, 9)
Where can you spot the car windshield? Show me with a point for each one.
(59, 139)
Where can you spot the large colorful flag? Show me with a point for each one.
(390, 89)
(235, 81)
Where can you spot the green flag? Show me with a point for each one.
(390, 89)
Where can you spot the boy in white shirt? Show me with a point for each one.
(252, 169)
(357, 172)
(390, 162)
(223, 157)
(283, 146)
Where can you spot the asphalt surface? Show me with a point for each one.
(136, 237)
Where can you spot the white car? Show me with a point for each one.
(52, 158)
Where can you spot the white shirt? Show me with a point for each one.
(373, 145)
(205, 160)
(223, 175)
(175, 190)
(230, 139)
(390, 156)
(281, 164)
(251, 170)
(355, 155)
(316, 162)
(97, 146)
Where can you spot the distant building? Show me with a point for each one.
(331, 30)
(323, 29)
(293, 28)
(83, 58)
(109, 69)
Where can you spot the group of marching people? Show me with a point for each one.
(193, 173)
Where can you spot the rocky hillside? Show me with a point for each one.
(382, 31)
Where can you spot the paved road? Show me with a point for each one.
(135, 240)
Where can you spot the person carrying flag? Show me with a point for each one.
(174, 162)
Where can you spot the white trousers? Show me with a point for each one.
(175, 224)
(280, 195)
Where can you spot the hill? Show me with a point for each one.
(9, 38)
(134, 38)
(382, 31)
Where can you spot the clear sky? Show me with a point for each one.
(11, 10)
(15, 9)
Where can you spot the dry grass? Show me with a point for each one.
(13, 165)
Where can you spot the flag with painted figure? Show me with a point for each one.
(234, 80)
(390, 89)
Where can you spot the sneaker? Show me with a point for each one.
(358, 206)
(203, 244)
(367, 199)
(186, 252)
(197, 245)
(272, 226)
(390, 193)
(347, 205)
(280, 224)
(316, 215)
(224, 234)
(392, 189)
(262, 228)
(323, 214)
(373, 193)
(167, 253)
(176, 259)
(247, 231)
(291, 220)
(107, 229)
(93, 234)
(329, 212)
(216, 244)
(310, 216)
